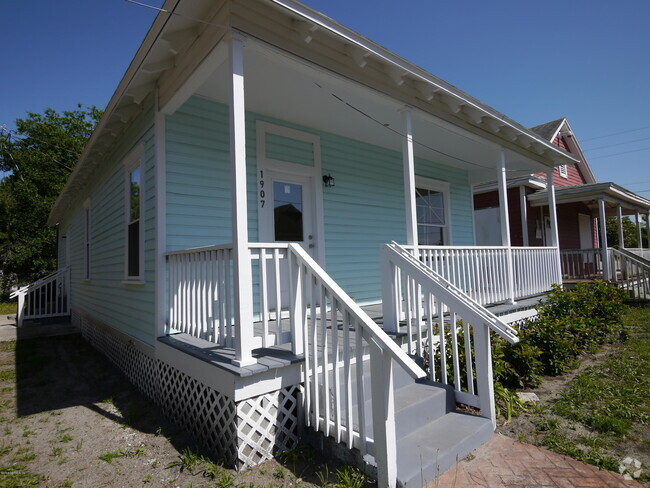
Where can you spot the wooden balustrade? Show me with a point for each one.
(445, 326)
(47, 297)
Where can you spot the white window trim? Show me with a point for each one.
(132, 160)
(87, 240)
(563, 171)
(442, 187)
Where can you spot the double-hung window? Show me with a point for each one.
(134, 221)
(432, 209)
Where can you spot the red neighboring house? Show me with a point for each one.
(579, 198)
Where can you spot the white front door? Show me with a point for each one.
(586, 231)
(288, 213)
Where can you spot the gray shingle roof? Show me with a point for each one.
(548, 130)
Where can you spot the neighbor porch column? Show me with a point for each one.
(552, 212)
(638, 231)
(505, 224)
(408, 160)
(524, 215)
(242, 272)
(619, 218)
(647, 227)
(603, 238)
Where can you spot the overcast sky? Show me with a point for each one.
(534, 61)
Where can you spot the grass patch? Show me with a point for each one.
(613, 396)
(7, 346)
(130, 452)
(16, 476)
(7, 308)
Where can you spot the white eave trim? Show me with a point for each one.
(533, 183)
(408, 68)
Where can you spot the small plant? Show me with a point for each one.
(130, 452)
(279, 473)
(226, 480)
(65, 438)
(79, 445)
(147, 479)
(188, 461)
(212, 470)
(57, 451)
(66, 483)
(349, 477)
(323, 477)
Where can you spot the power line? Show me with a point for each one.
(624, 152)
(616, 133)
(617, 144)
(169, 12)
(636, 183)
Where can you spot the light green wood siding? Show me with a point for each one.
(364, 210)
(128, 308)
(290, 150)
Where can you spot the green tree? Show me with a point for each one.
(629, 232)
(38, 156)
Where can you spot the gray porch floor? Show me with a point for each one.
(279, 356)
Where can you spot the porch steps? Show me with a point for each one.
(431, 435)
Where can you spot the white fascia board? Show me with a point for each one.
(533, 183)
(583, 164)
(156, 28)
(608, 191)
(418, 73)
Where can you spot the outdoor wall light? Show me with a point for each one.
(328, 180)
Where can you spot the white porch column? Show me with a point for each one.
(647, 227)
(408, 160)
(242, 272)
(161, 306)
(619, 218)
(638, 231)
(505, 223)
(524, 215)
(552, 212)
(603, 238)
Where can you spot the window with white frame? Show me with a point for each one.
(87, 240)
(432, 210)
(134, 219)
(564, 172)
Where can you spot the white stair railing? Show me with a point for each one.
(483, 273)
(633, 273)
(45, 298)
(437, 314)
(338, 337)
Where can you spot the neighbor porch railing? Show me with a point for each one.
(445, 326)
(633, 273)
(483, 272)
(47, 297)
(581, 264)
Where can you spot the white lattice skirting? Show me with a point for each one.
(242, 434)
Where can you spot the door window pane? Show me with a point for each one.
(287, 211)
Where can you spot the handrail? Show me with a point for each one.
(452, 294)
(633, 257)
(377, 334)
(46, 297)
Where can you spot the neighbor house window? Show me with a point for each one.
(134, 251)
(432, 205)
(87, 240)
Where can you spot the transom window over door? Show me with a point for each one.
(431, 204)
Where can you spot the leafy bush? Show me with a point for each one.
(568, 323)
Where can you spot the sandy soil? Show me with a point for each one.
(62, 406)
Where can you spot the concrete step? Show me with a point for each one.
(437, 446)
(416, 405)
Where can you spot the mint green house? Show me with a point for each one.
(272, 223)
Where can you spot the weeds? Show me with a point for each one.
(130, 452)
(16, 475)
(349, 477)
(188, 461)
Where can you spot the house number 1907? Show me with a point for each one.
(262, 193)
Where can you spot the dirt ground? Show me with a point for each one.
(69, 418)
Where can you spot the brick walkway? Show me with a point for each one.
(506, 462)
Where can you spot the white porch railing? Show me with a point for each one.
(296, 301)
(642, 253)
(482, 272)
(47, 297)
(437, 313)
(633, 273)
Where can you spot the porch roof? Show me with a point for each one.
(612, 193)
(178, 45)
